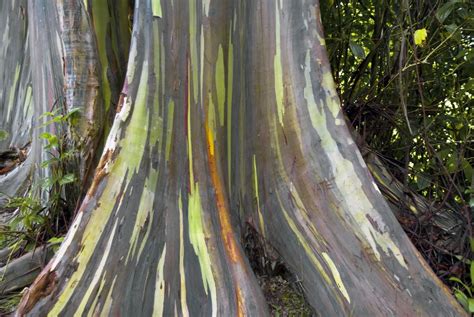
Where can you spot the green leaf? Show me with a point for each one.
(58, 119)
(49, 162)
(72, 112)
(470, 304)
(27, 222)
(47, 182)
(51, 138)
(472, 272)
(422, 181)
(3, 135)
(36, 219)
(56, 240)
(45, 135)
(53, 141)
(467, 169)
(451, 27)
(452, 164)
(462, 298)
(457, 280)
(66, 179)
(47, 114)
(446, 10)
(357, 50)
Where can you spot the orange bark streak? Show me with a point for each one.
(224, 218)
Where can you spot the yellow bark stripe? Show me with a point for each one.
(156, 8)
(196, 224)
(182, 274)
(160, 286)
(97, 273)
(302, 240)
(336, 276)
(229, 92)
(347, 180)
(197, 237)
(101, 18)
(128, 160)
(220, 85)
(277, 66)
(255, 180)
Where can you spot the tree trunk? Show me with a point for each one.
(21, 272)
(228, 116)
(78, 61)
(16, 102)
(312, 196)
(157, 208)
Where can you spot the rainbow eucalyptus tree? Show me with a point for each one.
(228, 116)
(157, 209)
(16, 102)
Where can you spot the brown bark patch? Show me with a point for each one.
(43, 286)
(100, 172)
(11, 158)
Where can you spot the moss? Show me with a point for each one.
(284, 297)
(280, 287)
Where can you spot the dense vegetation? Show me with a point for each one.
(405, 74)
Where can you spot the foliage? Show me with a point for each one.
(463, 292)
(35, 220)
(405, 74)
(9, 302)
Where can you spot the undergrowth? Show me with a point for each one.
(41, 215)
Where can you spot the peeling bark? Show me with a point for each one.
(443, 219)
(157, 208)
(228, 114)
(312, 196)
(16, 102)
(21, 272)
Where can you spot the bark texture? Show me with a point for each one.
(16, 102)
(312, 196)
(21, 272)
(443, 220)
(228, 115)
(154, 235)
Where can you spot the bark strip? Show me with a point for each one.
(313, 197)
(153, 235)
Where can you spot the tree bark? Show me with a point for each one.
(16, 100)
(228, 116)
(78, 61)
(157, 208)
(443, 219)
(21, 272)
(312, 196)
